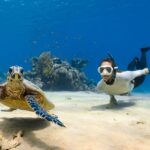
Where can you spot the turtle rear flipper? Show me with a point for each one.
(41, 112)
(8, 110)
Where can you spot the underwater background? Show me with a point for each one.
(85, 29)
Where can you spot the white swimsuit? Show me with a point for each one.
(122, 84)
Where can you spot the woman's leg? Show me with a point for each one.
(141, 65)
(143, 60)
(133, 64)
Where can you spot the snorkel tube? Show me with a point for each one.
(114, 66)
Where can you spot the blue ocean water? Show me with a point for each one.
(74, 28)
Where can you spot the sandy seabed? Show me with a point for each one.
(90, 125)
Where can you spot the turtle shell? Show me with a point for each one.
(18, 101)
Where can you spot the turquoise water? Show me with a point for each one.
(74, 28)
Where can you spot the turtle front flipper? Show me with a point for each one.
(41, 112)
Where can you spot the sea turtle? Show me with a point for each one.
(19, 93)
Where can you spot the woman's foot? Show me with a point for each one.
(145, 49)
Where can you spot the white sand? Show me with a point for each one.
(90, 125)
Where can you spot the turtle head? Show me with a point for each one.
(15, 73)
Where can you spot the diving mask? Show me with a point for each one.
(105, 70)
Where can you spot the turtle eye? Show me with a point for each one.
(10, 70)
(21, 71)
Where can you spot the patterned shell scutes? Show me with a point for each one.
(28, 84)
(40, 95)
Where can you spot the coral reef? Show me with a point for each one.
(51, 73)
(7, 144)
(79, 63)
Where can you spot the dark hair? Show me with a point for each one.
(108, 60)
(113, 64)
